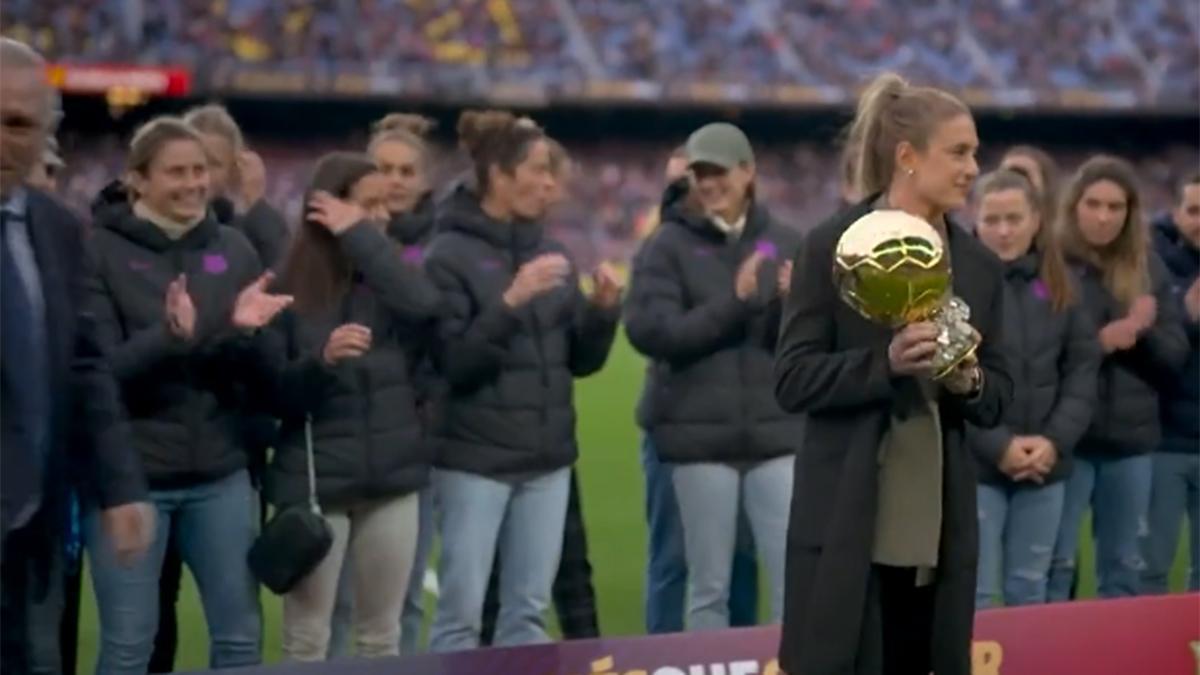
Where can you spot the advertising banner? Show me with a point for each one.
(1159, 635)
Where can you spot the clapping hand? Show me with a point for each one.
(607, 287)
(180, 311)
(255, 307)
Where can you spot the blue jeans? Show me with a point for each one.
(412, 619)
(666, 569)
(710, 498)
(478, 517)
(1175, 490)
(1018, 526)
(215, 525)
(1118, 490)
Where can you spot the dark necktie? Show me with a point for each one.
(22, 352)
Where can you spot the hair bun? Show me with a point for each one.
(417, 125)
(476, 126)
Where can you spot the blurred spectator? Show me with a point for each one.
(1134, 52)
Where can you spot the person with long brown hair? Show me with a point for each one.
(1126, 291)
(177, 294)
(883, 544)
(516, 333)
(347, 349)
(399, 148)
(1053, 356)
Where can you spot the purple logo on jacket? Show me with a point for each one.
(215, 263)
(412, 254)
(489, 264)
(139, 266)
(1039, 290)
(767, 249)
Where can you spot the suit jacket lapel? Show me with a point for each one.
(56, 300)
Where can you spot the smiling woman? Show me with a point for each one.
(169, 175)
(177, 294)
(881, 558)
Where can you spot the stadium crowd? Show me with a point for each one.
(1150, 48)
(321, 358)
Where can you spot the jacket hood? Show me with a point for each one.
(461, 212)
(114, 213)
(1178, 254)
(1026, 267)
(416, 225)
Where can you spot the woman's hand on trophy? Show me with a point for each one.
(912, 348)
(966, 379)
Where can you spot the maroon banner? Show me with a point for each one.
(1159, 635)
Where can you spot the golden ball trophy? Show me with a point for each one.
(892, 268)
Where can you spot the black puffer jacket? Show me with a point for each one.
(710, 394)
(1053, 358)
(368, 442)
(510, 410)
(415, 228)
(1181, 397)
(414, 231)
(184, 399)
(263, 226)
(1126, 418)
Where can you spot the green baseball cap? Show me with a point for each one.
(721, 144)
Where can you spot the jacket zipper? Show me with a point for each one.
(190, 419)
(1026, 352)
(541, 354)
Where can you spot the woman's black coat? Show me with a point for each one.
(832, 364)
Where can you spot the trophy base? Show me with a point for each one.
(957, 339)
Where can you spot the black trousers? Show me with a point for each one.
(898, 624)
(68, 633)
(38, 603)
(16, 599)
(573, 593)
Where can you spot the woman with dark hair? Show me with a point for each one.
(1126, 291)
(882, 546)
(1053, 356)
(516, 332)
(398, 148)
(348, 348)
(176, 293)
(704, 305)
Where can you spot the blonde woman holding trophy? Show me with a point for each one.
(890, 355)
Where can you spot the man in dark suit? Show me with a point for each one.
(62, 425)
